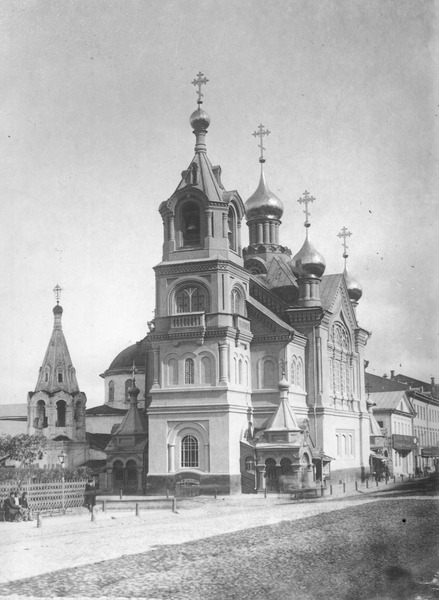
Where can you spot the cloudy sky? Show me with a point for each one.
(95, 105)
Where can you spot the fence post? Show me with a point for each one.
(394, 479)
(265, 492)
(402, 478)
(367, 483)
(120, 495)
(330, 489)
(174, 504)
(215, 493)
(356, 486)
(137, 509)
(39, 522)
(167, 493)
(377, 481)
(104, 505)
(92, 513)
(344, 487)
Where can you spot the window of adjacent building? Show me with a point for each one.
(189, 371)
(191, 299)
(128, 384)
(189, 451)
(60, 413)
(111, 391)
(190, 217)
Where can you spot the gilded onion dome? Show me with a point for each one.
(263, 204)
(355, 291)
(199, 120)
(308, 262)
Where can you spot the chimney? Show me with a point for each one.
(385, 376)
(432, 382)
(392, 374)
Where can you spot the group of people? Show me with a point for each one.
(17, 508)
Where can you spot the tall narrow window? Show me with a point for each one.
(236, 301)
(269, 375)
(59, 377)
(172, 372)
(206, 376)
(189, 451)
(299, 378)
(40, 415)
(190, 216)
(189, 371)
(232, 229)
(240, 372)
(111, 391)
(60, 413)
(294, 371)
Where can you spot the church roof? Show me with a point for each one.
(279, 273)
(105, 409)
(206, 181)
(98, 440)
(135, 353)
(268, 313)
(283, 419)
(57, 363)
(328, 289)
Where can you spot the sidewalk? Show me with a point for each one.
(72, 540)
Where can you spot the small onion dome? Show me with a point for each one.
(199, 120)
(283, 383)
(263, 204)
(355, 290)
(308, 262)
(133, 390)
(57, 310)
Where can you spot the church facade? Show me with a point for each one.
(254, 360)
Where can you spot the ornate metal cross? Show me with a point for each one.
(283, 366)
(199, 81)
(260, 132)
(57, 291)
(133, 372)
(306, 199)
(344, 233)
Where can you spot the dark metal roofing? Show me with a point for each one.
(133, 354)
(105, 409)
(98, 440)
(383, 384)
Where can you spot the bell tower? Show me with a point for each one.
(200, 340)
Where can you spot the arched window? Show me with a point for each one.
(128, 384)
(172, 372)
(46, 376)
(337, 441)
(111, 391)
(131, 470)
(350, 446)
(237, 304)
(249, 463)
(268, 377)
(189, 452)
(294, 371)
(344, 444)
(189, 371)
(118, 472)
(240, 372)
(60, 413)
(190, 218)
(286, 466)
(191, 299)
(232, 229)
(40, 415)
(206, 374)
(78, 411)
(235, 370)
(59, 377)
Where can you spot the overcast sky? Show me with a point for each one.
(95, 105)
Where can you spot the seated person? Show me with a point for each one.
(26, 512)
(12, 511)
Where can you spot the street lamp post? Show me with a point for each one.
(61, 458)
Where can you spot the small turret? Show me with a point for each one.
(355, 291)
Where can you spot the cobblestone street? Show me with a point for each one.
(342, 549)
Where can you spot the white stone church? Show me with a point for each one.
(252, 371)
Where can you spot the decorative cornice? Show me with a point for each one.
(305, 316)
(178, 268)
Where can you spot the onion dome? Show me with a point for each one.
(57, 310)
(355, 291)
(283, 383)
(308, 262)
(263, 204)
(199, 119)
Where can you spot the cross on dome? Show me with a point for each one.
(260, 132)
(344, 233)
(306, 199)
(57, 291)
(133, 373)
(199, 81)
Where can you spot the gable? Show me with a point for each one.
(335, 299)
(264, 323)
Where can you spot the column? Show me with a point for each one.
(171, 458)
(276, 233)
(223, 356)
(239, 239)
(272, 232)
(266, 233)
(209, 223)
(260, 234)
(225, 225)
(156, 377)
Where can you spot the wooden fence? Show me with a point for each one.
(53, 495)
